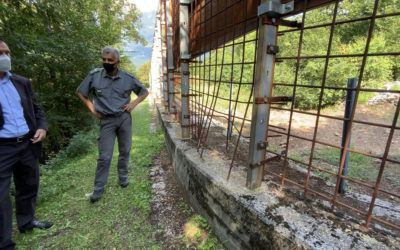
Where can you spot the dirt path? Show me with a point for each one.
(169, 210)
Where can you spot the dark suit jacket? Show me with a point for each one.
(33, 114)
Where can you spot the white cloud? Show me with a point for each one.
(147, 5)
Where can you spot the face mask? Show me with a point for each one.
(5, 63)
(108, 67)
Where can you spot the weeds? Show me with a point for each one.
(120, 219)
(199, 235)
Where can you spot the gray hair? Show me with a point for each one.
(108, 50)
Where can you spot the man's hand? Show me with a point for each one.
(39, 136)
(129, 107)
(98, 114)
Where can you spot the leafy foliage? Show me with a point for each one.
(347, 39)
(143, 73)
(56, 43)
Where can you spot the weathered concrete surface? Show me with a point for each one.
(245, 219)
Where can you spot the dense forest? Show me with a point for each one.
(56, 43)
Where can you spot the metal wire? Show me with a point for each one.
(220, 91)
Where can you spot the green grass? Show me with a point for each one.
(119, 220)
(364, 97)
(359, 166)
(199, 235)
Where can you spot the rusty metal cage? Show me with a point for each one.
(318, 145)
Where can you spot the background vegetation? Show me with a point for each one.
(120, 219)
(56, 43)
(347, 39)
(142, 73)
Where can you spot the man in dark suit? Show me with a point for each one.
(22, 128)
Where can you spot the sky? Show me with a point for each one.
(138, 53)
(146, 5)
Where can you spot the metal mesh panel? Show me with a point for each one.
(307, 143)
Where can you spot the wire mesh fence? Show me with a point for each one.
(338, 137)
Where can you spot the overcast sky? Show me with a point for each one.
(146, 5)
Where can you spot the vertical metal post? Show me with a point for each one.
(230, 118)
(164, 54)
(267, 48)
(350, 99)
(184, 56)
(264, 71)
(170, 58)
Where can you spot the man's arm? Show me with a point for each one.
(130, 106)
(89, 104)
(41, 131)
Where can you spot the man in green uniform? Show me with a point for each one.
(111, 88)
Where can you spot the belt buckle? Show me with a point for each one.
(20, 139)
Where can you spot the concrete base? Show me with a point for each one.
(246, 219)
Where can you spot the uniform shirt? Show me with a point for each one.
(110, 93)
(13, 113)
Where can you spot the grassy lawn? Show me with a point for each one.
(360, 167)
(119, 220)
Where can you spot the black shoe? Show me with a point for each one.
(36, 224)
(95, 197)
(124, 184)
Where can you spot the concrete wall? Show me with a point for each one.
(245, 219)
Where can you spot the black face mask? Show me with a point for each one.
(108, 67)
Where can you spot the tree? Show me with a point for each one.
(143, 73)
(56, 43)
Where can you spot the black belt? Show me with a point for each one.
(113, 115)
(18, 139)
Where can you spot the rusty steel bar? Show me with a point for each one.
(335, 174)
(337, 118)
(340, 56)
(210, 117)
(382, 166)
(339, 88)
(385, 222)
(350, 98)
(335, 146)
(299, 48)
(369, 37)
(207, 96)
(343, 22)
(247, 106)
(321, 96)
